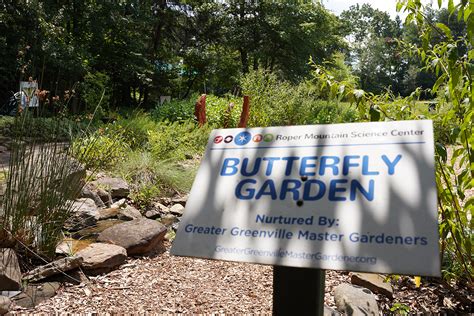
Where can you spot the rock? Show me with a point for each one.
(180, 200)
(10, 274)
(3, 149)
(138, 236)
(119, 204)
(101, 258)
(89, 191)
(93, 232)
(117, 187)
(35, 294)
(5, 304)
(355, 300)
(129, 213)
(84, 214)
(152, 214)
(74, 277)
(107, 213)
(76, 172)
(69, 246)
(161, 208)
(169, 220)
(373, 282)
(52, 268)
(105, 197)
(177, 209)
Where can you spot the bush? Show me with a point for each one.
(178, 141)
(221, 111)
(176, 110)
(135, 129)
(279, 103)
(101, 149)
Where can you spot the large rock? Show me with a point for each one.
(35, 294)
(100, 258)
(69, 246)
(4, 305)
(374, 282)
(355, 300)
(10, 274)
(139, 236)
(129, 213)
(52, 268)
(117, 187)
(84, 214)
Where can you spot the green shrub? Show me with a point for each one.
(278, 103)
(135, 129)
(176, 110)
(222, 110)
(178, 141)
(101, 149)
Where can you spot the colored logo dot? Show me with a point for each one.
(268, 138)
(243, 138)
(218, 139)
(228, 139)
(258, 138)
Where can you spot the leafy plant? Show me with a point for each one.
(100, 149)
(135, 129)
(176, 110)
(400, 309)
(277, 103)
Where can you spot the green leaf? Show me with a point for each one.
(441, 151)
(445, 30)
(451, 6)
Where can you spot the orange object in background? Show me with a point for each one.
(244, 116)
(200, 110)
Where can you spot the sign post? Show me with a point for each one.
(298, 291)
(353, 197)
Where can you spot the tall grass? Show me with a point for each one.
(41, 182)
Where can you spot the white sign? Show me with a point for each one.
(28, 94)
(359, 197)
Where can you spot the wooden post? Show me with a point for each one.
(244, 116)
(298, 291)
(200, 110)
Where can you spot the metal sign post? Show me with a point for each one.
(298, 291)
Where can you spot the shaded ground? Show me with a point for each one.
(167, 284)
